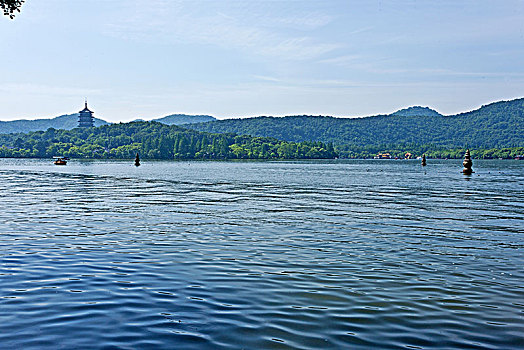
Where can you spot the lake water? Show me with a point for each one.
(261, 255)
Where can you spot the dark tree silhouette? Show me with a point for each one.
(10, 7)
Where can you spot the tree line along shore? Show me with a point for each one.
(153, 140)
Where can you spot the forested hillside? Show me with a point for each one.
(180, 119)
(68, 121)
(496, 125)
(154, 140)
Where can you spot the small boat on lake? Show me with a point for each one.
(519, 157)
(60, 160)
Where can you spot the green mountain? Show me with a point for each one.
(180, 119)
(154, 140)
(497, 125)
(68, 121)
(490, 130)
(417, 111)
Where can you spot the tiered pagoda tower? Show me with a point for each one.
(85, 118)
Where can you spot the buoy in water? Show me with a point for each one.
(137, 160)
(467, 163)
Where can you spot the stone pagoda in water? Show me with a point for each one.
(85, 118)
(467, 163)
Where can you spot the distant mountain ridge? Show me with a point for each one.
(496, 125)
(70, 121)
(417, 111)
(66, 121)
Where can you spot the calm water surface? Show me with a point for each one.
(261, 255)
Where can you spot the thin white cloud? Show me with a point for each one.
(305, 21)
(345, 60)
(378, 65)
(266, 78)
(360, 30)
(298, 48)
(179, 22)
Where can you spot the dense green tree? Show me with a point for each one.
(10, 7)
(155, 141)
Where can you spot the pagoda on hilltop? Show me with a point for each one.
(85, 118)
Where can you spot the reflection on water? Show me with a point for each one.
(210, 255)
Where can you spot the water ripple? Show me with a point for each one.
(307, 255)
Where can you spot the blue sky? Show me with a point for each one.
(149, 58)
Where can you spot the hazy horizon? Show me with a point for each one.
(148, 59)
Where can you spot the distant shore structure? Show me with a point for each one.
(85, 118)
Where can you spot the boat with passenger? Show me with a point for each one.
(60, 160)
